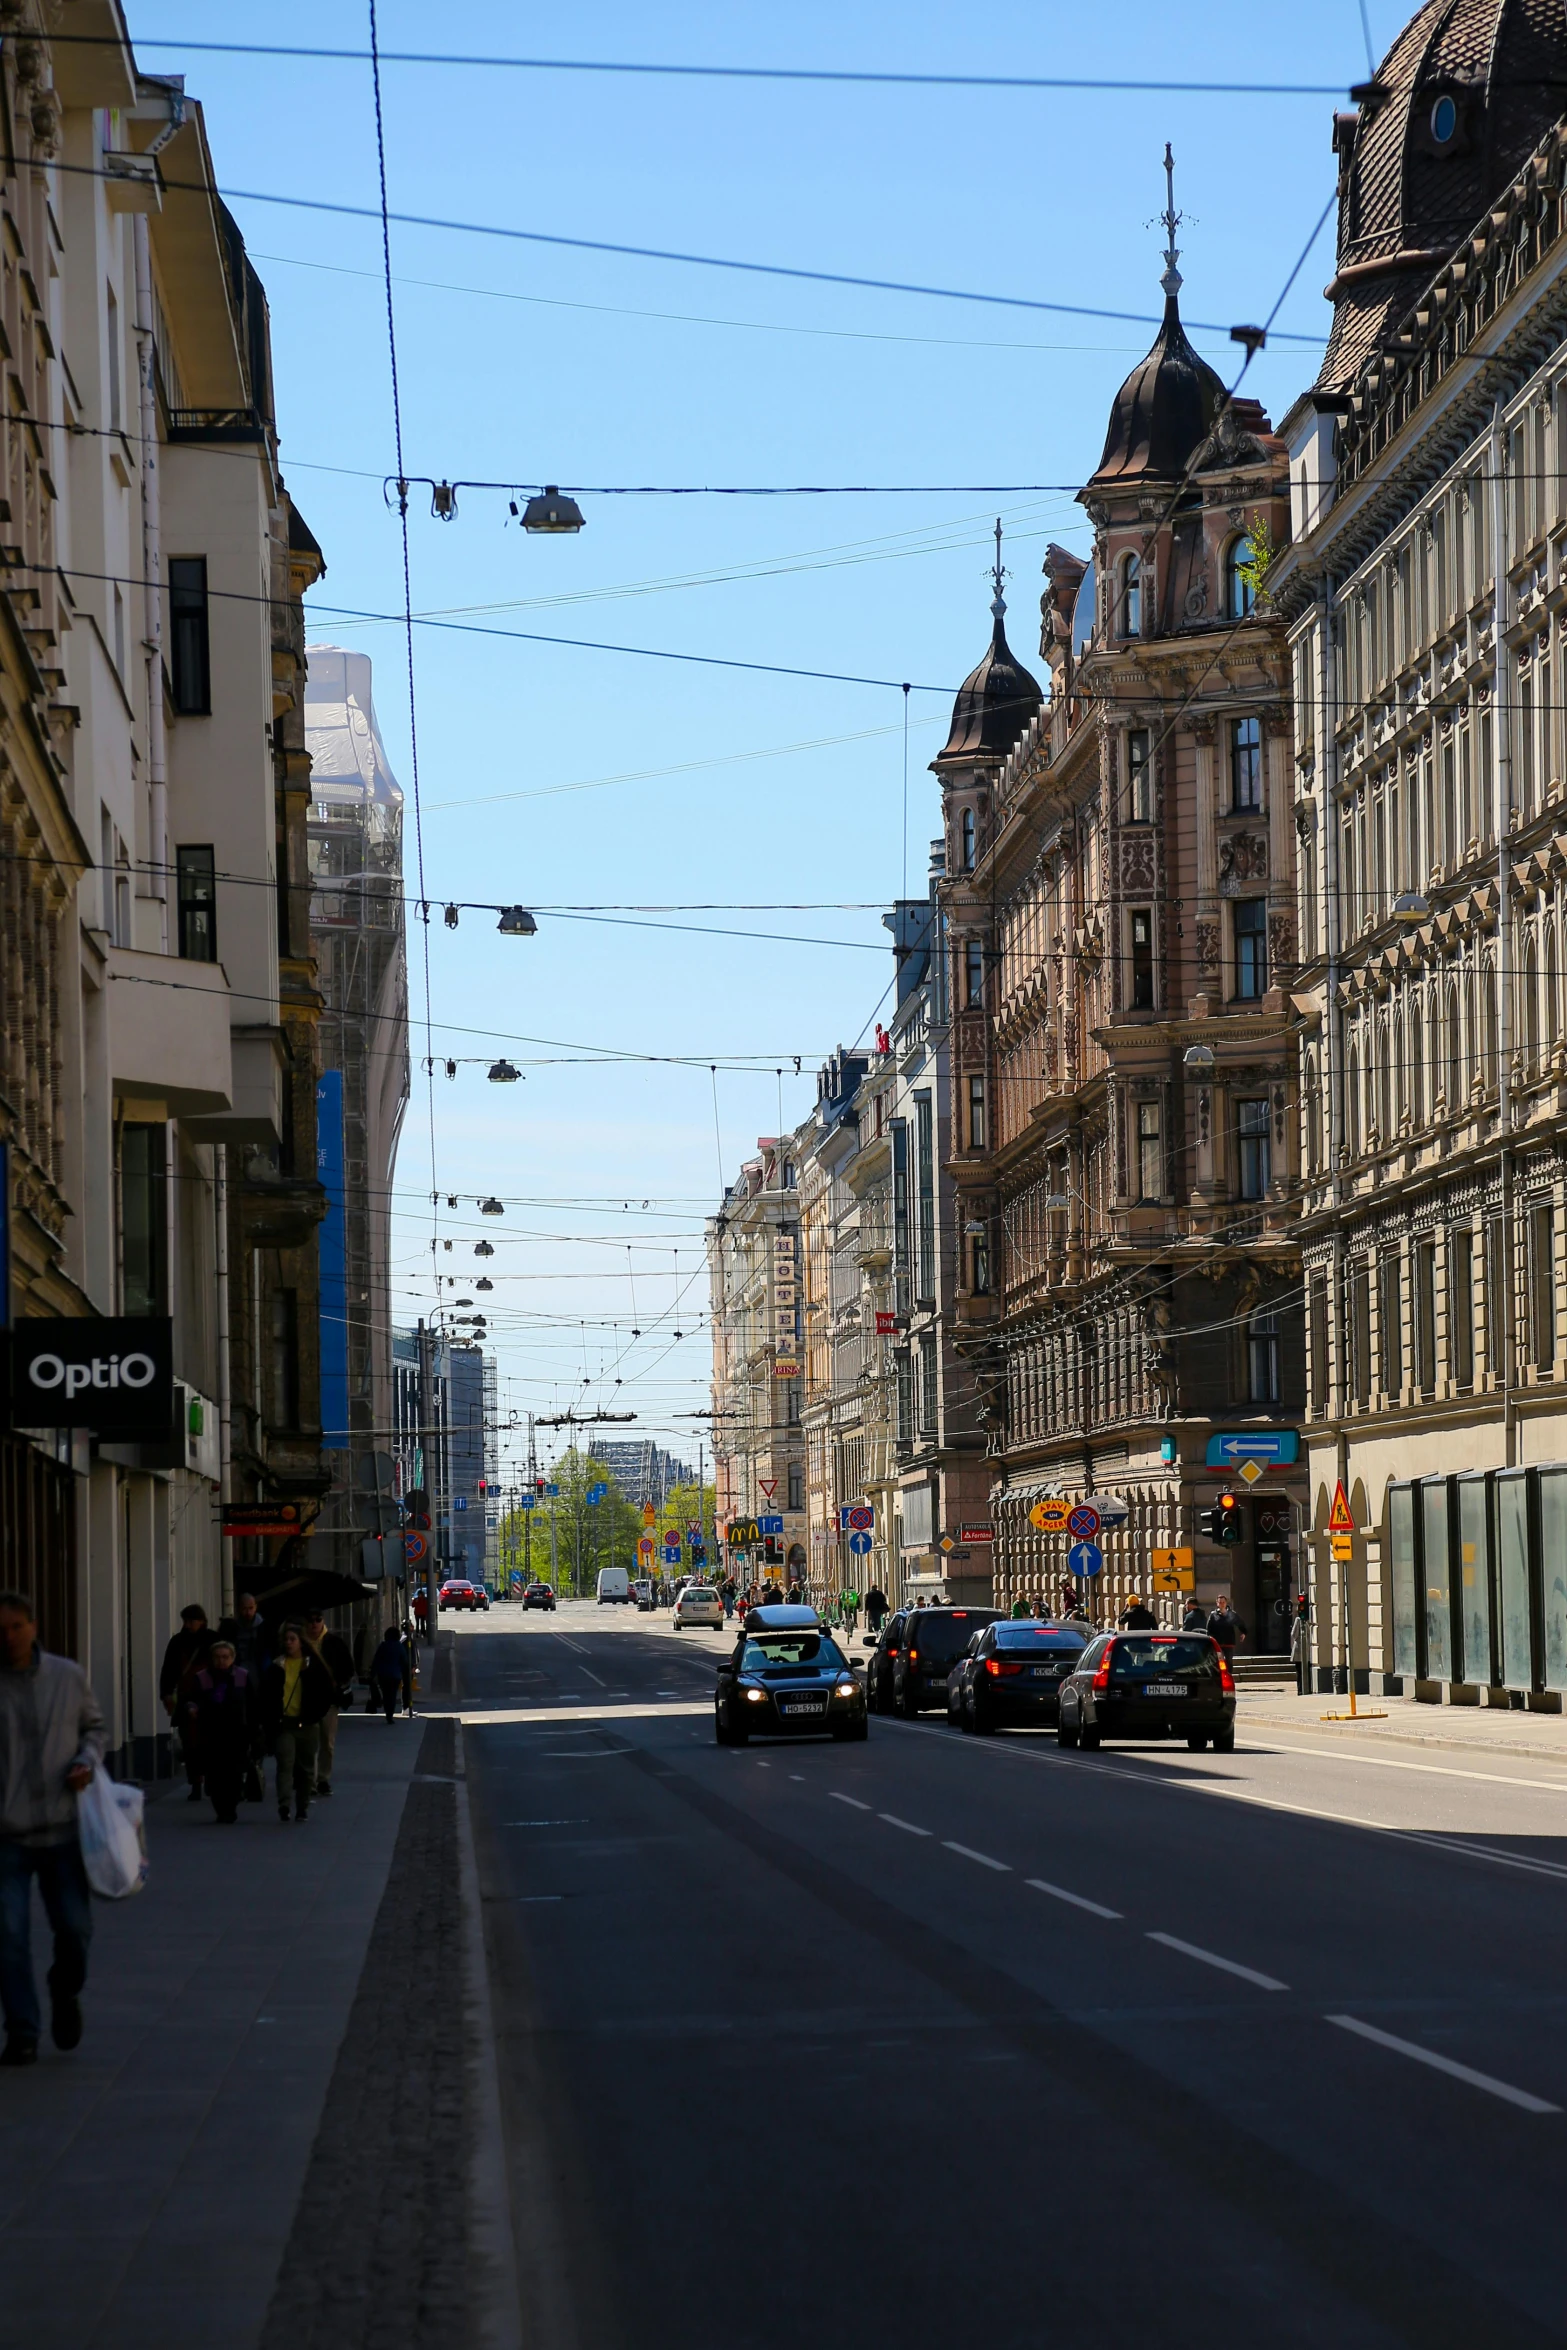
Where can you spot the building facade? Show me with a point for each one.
(753, 1257)
(1426, 595)
(1120, 906)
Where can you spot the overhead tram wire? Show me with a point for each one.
(408, 618)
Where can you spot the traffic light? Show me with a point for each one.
(1229, 1522)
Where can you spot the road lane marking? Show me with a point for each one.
(1444, 2064)
(908, 1827)
(1389, 1762)
(1228, 1966)
(573, 1644)
(498, 1717)
(796, 1777)
(834, 1797)
(587, 1676)
(983, 1858)
(1078, 1900)
(761, 1766)
(522, 1898)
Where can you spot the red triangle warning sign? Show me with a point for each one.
(1339, 1518)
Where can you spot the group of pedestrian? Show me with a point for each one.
(233, 1696)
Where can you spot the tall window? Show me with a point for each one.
(925, 1199)
(1150, 1153)
(285, 1358)
(1262, 1356)
(1142, 958)
(1253, 1156)
(980, 1263)
(1317, 1332)
(1390, 1284)
(143, 1220)
(928, 1384)
(976, 1113)
(1240, 587)
(189, 650)
(966, 832)
(904, 1363)
(973, 972)
(1251, 948)
(112, 351)
(1246, 764)
(198, 911)
(1131, 596)
(1425, 1316)
(796, 1499)
(1498, 1298)
(1542, 1288)
(1360, 1329)
(1139, 776)
(1461, 1307)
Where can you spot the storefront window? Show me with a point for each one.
(1401, 1563)
(1512, 1561)
(1474, 1554)
(1438, 1580)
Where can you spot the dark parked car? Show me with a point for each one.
(786, 1678)
(1012, 1675)
(930, 1643)
(886, 1647)
(539, 1595)
(1150, 1685)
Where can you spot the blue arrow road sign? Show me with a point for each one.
(525, 1501)
(461, 1502)
(1085, 1558)
(859, 1544)
(671, 1554)
(1253, 1444)
(770, 1525)
(552, 1492)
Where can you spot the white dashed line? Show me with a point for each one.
(908, 1827)
(1444, 2064)
(834, 1797)
(796, 1777)
(1228, 1966)
(587, 1676)
(968, 1853)
(761, 1766)
(1078, 1900)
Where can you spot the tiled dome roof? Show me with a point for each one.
(1461, 100)
(1166, 408)
(994, 704)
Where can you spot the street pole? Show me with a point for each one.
(426, 1408)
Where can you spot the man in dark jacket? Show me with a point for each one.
(875, 1609)
(1137, 1616)
(294, 1695)
(186, 1652)
(338, 1659)
(51, 1735)
(221, 1707)
(1193, 1620)
(1225, 1626)
(247, 1629)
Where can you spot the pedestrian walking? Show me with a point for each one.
(247, 1629)
(1068, 1596)
(851, 1606)
(1020, 1608)
(294, 1696)
(876, 1609)
(1300, 1645)
(184, 1654)
(51, 1738)
(1137, 1616)
(387, 1668)
(1225, 1626)
(338, 1658)
(221, 1708)
(726, 1592)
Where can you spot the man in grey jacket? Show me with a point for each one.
(51, 1735)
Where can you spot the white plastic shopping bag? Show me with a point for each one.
(114, 1846)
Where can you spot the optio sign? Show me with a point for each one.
(115, 1378)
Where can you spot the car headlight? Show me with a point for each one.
(846, 1689)
(756, 1696)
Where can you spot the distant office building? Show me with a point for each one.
(643, 1472)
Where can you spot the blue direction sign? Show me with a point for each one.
(1253, 1444)
(552, 1492)
(671, 1554)
(860, 1544)
(525, 1501)
(1085, 1558)
(461, 1502)
(771, 1525)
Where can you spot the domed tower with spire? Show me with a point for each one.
(1120, 908)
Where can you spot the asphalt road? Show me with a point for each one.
(939, 2039)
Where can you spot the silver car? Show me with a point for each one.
(699, 1603)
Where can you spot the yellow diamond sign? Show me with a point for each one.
(1250, 1471)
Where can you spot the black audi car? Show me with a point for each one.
(787, 1678)
(1150, 1685)
(1011, 1675)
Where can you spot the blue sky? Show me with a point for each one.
(563, 777)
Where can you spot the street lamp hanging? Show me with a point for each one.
(549, 512)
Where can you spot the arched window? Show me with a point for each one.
(1240, 587)
(1486, 1043)
(1530, 1006)
(1456, 1088)
(1385, 1049)
(1551, 1008)
(1415, 1040)
(1131, 596)
(966, 858)
(1311, 1105)
(1352, 1101)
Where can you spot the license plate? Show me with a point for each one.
(812, 1705)
(1165, 1689)
(1043, 1672)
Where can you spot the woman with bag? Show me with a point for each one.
(294, 1696)
(221, 1708)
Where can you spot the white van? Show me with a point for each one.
(614, 1584)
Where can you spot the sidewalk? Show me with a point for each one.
(1481, 1729)
(150, 2184)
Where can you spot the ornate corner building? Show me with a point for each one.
(1121, 930)
(1426, 597)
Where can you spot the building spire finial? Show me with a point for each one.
(998, 602)
(1171, 219)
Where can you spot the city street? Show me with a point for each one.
(876, 2043)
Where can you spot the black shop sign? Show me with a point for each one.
(114, 1377)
